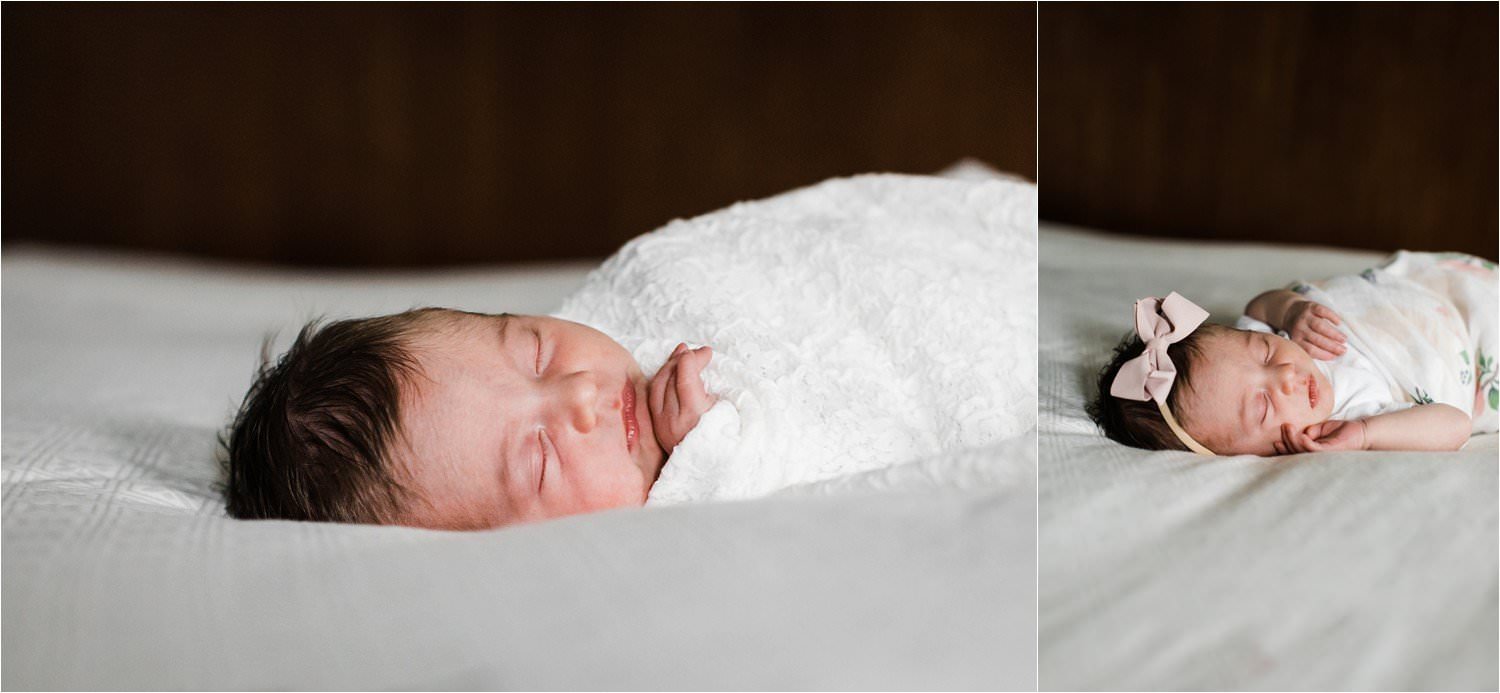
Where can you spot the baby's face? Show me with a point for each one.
(521, 418)
(1246, 386)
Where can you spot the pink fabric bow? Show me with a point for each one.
(1161, 322)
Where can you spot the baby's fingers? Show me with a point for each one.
(1316, 351)
(696, 359)
(691, 393)
(1321, 431)
(1287, 446)
(1306, 442)
(671, 403)
(1294, 440)
(656, 391)
(1328, 329)
(1321, 347)
(1326, 313)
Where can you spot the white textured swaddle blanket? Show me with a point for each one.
(856, 324)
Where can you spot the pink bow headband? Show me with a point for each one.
(1160, 322)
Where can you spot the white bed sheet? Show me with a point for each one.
(120, 570)
(1165, 571)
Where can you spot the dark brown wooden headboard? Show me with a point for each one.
(1369, 125)
(421, 134)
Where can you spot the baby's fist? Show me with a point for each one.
(1329, 436)
(676, 397)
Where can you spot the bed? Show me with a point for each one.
(1165, 571)
(121, 571)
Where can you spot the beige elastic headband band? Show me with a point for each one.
(1182, 434)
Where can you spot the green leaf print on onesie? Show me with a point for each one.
(1486, 377)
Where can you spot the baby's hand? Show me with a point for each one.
(1329, 436)
(676, 396)
(1314, 327)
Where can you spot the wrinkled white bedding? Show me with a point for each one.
(1166, 571)
(121, 571)
(857, 324)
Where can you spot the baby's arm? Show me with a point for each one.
(1425, 427)
(1310, 324)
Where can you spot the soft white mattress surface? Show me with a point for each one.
(121, 571)
(1166, 571)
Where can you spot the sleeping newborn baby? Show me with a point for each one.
(859, 327)
(1399, 357)
(450, 419)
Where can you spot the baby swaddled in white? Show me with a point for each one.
(856, 325)
(869, 333)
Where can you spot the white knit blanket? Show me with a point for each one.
(857, 324)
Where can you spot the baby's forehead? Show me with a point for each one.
(1220, 355)
(1225, 338)
(444, 356)
(1226, 351)
(448, 332)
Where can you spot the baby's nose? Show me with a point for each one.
(1287, 379)
(581, 397)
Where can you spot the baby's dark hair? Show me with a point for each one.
(312, 439)
(1140, 424)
